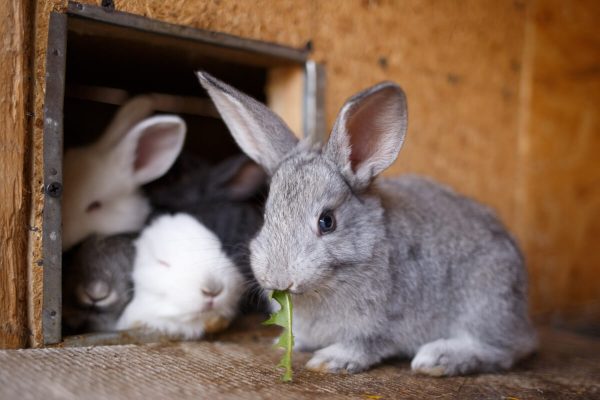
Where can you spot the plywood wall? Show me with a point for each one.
(14, 159)
(503, 101)
(560, 204)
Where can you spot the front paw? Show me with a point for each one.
(447, 357)
(338, 359)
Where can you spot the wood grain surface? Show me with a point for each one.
(240, 364)
(15, 75)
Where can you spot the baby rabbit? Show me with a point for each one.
(378, 268)
(97, 283)
(223, 198)
(102, 180)
(185, 285)
(192, 180)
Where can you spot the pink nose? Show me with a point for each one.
(212, 290)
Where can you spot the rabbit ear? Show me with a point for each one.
(369, 133)
(149, 149)
(260, 133)
(239, 178)
(132, 112)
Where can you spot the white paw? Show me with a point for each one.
(430, 362)
(336, 359)
(454, 357)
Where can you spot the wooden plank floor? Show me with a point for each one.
(240, 364)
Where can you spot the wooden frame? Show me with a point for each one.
(282, 59)
(53, 149)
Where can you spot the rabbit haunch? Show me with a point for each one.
(185, 285)
(378, 268)
(102, 180)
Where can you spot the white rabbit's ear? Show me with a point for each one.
(369, 133)
(259, 132)
(149, 149)
(132, 112)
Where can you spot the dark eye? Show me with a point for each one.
(326, 222)
(93, 206)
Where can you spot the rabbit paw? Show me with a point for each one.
(338, 359)
(446, 357)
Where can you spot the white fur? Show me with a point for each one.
(106, 172)
(169, 298)
(458, 355)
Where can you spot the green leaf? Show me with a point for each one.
(283, 318)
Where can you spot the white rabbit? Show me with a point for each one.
(102, 180)
(184, 284)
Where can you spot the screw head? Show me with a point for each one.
(108, 5)
(54, 189)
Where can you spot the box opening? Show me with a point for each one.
(109, 57)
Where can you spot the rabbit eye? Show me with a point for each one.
(93, 206)
(326, 222)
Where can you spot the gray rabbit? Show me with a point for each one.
(97, 283)
(226, 199)
(378, 268)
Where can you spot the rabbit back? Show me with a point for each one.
(453, 261)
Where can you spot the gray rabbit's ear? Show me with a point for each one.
(260, 133)
(238, 178)
(369, 133)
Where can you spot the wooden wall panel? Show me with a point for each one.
(459, 63)
(561, 171)
(503, 106)
(14, 196)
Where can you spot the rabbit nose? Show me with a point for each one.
(97, 290)
(212, 289)
(92, 293)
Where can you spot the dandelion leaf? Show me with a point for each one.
(283, 318)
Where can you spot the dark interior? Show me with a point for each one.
(105, 56)
(124, 62)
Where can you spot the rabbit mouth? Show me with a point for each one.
(295, 289)
(208, 306)
(315, 290)
(313, 287)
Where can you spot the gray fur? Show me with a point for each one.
(242, 110)
(107, 263)
(413, 269)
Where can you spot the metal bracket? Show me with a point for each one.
(53, 152)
